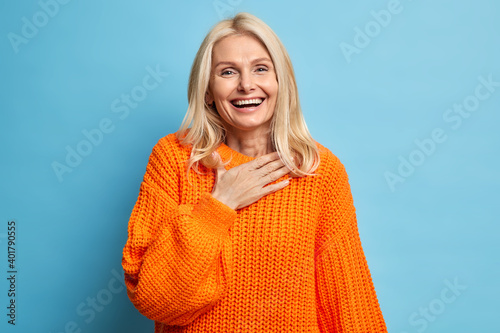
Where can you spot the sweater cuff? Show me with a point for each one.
(211, 209)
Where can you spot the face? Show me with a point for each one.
(243, 84)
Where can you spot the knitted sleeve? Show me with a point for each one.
(346, 298)
(172, 259)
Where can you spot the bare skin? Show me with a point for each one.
(243, 185)
(243, 70)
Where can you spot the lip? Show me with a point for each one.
(248, 98)
(249, 109)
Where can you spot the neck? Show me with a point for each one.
(250, 143)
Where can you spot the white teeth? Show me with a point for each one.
(249, 101)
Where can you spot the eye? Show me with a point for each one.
(227, 72)
(262, 69)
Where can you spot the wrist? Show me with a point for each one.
(224, 200)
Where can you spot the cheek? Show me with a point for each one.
(222, 89)
(271, 88)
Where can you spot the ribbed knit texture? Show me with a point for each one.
(290, 262)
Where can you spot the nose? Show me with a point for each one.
(246, 82)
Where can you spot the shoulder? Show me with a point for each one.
(332, 176)
(329, 162)
(169, 153)
(334, 185)
(170, 146)
(170, 141)
(167, 161)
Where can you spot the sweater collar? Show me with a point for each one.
(235, 158)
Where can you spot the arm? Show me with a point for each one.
(346, 296)
(172, 259)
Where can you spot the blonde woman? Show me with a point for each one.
(244, 223)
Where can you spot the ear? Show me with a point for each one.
(208, 98)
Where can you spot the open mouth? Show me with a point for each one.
(247, 103)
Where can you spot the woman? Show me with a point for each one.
(243, 222)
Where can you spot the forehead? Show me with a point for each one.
(238, 48)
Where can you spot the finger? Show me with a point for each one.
(265, 177)
(271, 167)
(276, 174)
(275, 187)
(265, 159)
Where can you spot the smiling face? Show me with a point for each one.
(243, 84)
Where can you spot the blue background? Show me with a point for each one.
(437, 225)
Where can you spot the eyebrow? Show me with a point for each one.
(233, 64)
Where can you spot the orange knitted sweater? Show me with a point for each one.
(290, 262)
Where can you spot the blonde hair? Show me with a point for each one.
(289, 134)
